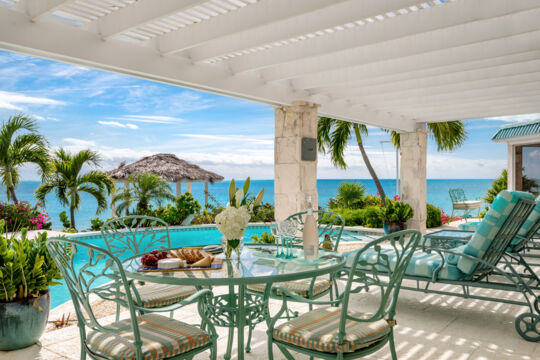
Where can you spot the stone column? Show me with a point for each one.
(294, 178)
(113, 205)
(178, 188)
(413, 176)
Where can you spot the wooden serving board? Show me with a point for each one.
(216, 265)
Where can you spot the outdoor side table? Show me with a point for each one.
(448, 239)
(255, 266)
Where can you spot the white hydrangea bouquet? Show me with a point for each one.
(233, 220)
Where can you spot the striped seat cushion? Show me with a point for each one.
(467, 205)
(300, 287)
(161, 338)
(472, 226)
(318, 330)
(155, 295)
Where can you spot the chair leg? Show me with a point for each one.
(250, 334)
(213, 351)
(392, 346)
(117, 312)
(230, 338)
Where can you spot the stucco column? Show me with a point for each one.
(294, 178)
(413, 176)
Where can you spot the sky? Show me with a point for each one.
(126, 118)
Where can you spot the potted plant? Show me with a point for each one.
(26, 272)
(395, 215)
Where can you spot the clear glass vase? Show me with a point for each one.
(232, 246)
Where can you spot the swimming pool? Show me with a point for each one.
(180, 237)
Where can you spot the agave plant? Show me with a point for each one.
(26, 268)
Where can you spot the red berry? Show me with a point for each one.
(154, 252)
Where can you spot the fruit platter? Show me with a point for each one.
(185, 259)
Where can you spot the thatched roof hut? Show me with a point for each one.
(168, 167)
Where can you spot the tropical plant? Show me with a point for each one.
(396, 211)
(263, 213)
(350, 195)
(24, 215)
(184, 206)
(26, 268)
(96, 224)
(332, 137)
(142, 190)
(434, 216)
(448, 135)
(17, 149)
(67, 181)
(265, 238)
(64, 219)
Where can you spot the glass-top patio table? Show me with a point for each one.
(238, 309)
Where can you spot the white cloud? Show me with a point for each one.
(264, 139)
(79, 143)
(117, 124)
(516, 118)
(149, 119)
(13, 100)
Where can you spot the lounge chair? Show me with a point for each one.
(144, 334)
(337, 331)
(137, 235)
(460, 202)
(482, 262)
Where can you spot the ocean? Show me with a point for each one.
(437, 194)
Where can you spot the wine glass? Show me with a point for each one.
(288, 229)
(277, 236)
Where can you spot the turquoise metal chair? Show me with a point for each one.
(330, 225)
(482, 262)
(137, 235)
(89, 270)
(460, 202)
(336, 331)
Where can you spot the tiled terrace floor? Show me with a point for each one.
(429, 327)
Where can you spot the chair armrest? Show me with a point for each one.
(288, 294)
(187, 301)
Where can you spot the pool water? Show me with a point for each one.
(180, 237)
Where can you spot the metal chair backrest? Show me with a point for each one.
(504, 237)
(329, 223)
(135, 234)
(86, 268)
(384, 270)
(457, 195)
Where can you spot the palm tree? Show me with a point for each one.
(142, 189)
(332, 137)
(68, 183)
(448, 135)
(18, 149)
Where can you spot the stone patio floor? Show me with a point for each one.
(429, 327)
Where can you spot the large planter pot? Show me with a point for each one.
(23, 322)
(392, 227)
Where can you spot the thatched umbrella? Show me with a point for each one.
(169, 168)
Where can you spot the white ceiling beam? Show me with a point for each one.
(140, 13)
(472, 105)
(478, 70)
(462, 12)
(532, 75)
(485, 44)
(339, 13)
(533, 84)
(252, 16)
(503, 110)
(51, 40)
(38, 9)
(457, 46)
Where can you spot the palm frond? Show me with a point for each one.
(338, 144)
(324, 128)
(98, 194)
(448, 135)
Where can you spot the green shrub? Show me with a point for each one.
(372, 200)
(26, 268)
(66, 223)
(434, 216)
(263, 213)
(350, 195)
(97, 224)
(207, 215)
(265, 238)
(23, 215)
(373, 217)
(397, 211)
(498, 185)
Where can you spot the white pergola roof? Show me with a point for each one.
(389, 63)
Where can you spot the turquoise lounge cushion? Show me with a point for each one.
(488, 228)
(422, 264)
(533, 218)
(472, 226)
